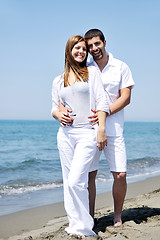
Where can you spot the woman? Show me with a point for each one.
(80, 89)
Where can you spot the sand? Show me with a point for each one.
(141, 217)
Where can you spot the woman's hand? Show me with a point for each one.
(101, 139)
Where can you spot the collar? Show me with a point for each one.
(110, 61)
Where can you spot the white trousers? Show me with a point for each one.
(77, 146)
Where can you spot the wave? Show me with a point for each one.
(146, 164)
(147, 159)
(144, 174)
(99, 179)
(137, 169)
(19, 189)
(27, 164)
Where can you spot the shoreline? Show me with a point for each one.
(36, 220)
(30, 200)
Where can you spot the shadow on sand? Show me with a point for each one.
(138, 215)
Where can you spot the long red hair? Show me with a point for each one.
(80, 70)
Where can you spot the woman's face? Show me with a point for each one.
(79, 52)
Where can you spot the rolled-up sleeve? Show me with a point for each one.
(126, 77)
(55, 94)
(100, 96)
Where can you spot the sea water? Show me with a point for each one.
(30, 170)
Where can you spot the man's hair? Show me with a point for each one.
(94, 33)
(80, 70)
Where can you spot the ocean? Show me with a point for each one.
(30, 170)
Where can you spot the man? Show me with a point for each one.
(117, 81)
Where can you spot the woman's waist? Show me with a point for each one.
(80, 125)
(80, 119)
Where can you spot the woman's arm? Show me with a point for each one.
(99, 102)
(59, 112)
(99, 96)
(101, 135)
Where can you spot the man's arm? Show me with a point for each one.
(62, 115)
(119, 104)
(122, 101)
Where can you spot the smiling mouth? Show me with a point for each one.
(97, 53)
(80, 56)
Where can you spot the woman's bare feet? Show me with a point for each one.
(81, 236)
(77, 235)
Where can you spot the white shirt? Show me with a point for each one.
(81, 97)
(115, 76)
(77, 98)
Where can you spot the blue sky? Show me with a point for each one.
(33, 38)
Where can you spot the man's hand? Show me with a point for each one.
(64, 118)
(63, 115)
(101, 139)
(94, 117)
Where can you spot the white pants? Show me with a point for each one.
(77, 146)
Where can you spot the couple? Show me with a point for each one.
(103, 85)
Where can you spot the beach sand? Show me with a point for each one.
(141, 217)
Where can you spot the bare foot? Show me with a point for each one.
(75, 235)
(117, 223)
(81, 236)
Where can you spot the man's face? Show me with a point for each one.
(96, 47)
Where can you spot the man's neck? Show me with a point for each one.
(102, 62)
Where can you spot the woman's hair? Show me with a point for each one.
(80, 70)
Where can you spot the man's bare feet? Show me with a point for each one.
(117, 222)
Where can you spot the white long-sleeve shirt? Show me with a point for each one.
(81, 97)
